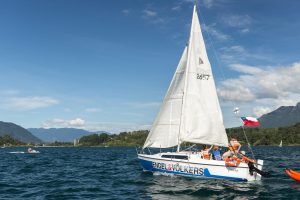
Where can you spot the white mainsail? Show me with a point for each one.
(165, 129)
(190, 111)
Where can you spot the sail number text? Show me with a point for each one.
(203, 76)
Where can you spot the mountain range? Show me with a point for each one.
(60, 134)
(18, 132)
(281, 117)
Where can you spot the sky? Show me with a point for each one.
(106, 64)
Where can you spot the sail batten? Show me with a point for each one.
(190, 111)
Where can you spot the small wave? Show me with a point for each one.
(164, 174)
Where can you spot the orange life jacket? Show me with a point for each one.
(205, 153)
(235, 144)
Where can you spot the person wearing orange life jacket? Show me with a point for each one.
(234, 148)
(234, 145)
(205, 152)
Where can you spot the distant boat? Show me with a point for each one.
(32, 151)
(280, 145)
(191, 113)
(3, 146)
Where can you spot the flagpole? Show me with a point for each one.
(249, 146)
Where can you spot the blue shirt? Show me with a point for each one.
(217, 155)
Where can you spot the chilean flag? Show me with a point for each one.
(250, 121)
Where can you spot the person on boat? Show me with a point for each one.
(234, 145)
(205, 152)
(216, 153)
(227, 154)
(234, 148)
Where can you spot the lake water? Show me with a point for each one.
(114, 173)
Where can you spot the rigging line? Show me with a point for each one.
(217, 57)
(210, 41)
(211, 44)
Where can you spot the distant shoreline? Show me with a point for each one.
(32, 146)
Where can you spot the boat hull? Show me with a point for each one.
(196, 167)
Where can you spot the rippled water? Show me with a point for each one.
(114, 173)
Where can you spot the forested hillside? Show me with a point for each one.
(256, 136)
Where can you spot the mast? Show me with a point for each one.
(185, 79)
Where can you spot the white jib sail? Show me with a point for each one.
(202, 120)
(165, 129)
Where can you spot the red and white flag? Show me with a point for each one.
(250, 121)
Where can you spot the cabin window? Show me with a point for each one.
(181, 157)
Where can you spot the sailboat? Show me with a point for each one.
(190, 113)
(280, 145)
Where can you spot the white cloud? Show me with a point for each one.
(176, 7)
(152, 17)
(259, 111)
(238, 53)
(61, 123)
(292, 100)
(231, 91)
(246, 69)
(211, 29)
(276, 86)
(77, 122)
(241, 22)
(126, 12)
(92, 110)
(30, 103)
(245, 30)
(208, 3)
(237, 21)
(149, 13)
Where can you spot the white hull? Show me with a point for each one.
(188, 164)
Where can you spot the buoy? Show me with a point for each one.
(293, 174)
(232, 162)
